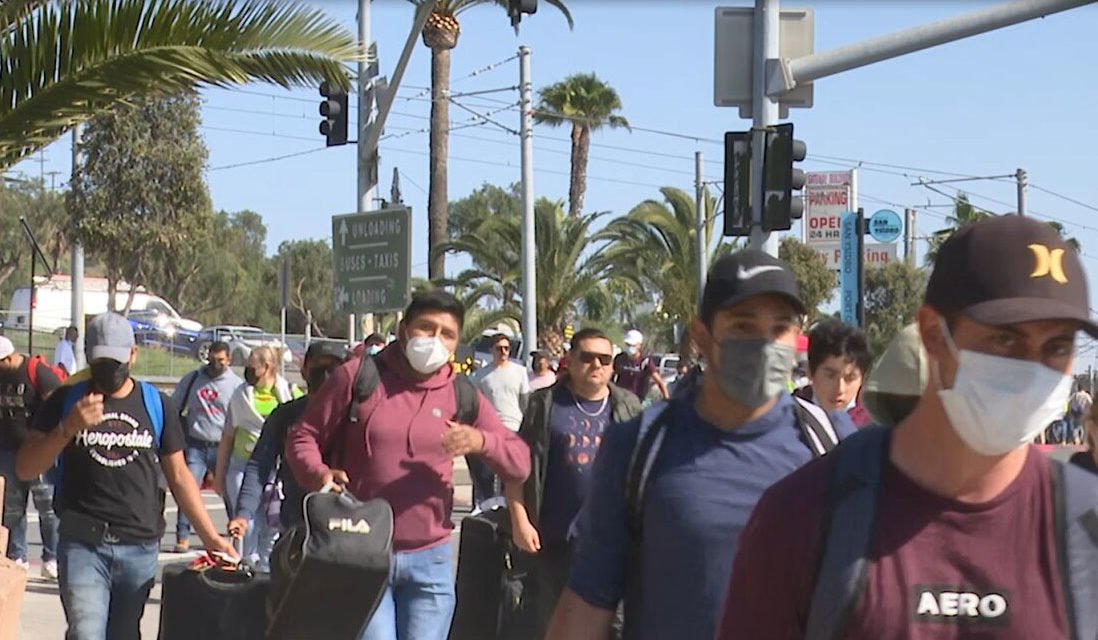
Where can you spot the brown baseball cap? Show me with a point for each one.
(1010, 269)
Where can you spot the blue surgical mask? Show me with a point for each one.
(374, 350)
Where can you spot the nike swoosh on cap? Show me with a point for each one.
(747, 274)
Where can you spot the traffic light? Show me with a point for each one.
(515, 9)
(334, 110)
(781, 178)
(737, 183)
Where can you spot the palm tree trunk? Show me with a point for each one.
(437, 202)
(581, 145)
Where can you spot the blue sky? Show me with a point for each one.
(1017, 97)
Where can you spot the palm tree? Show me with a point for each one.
(440, 35)
(63, 61)
(570, 274)
(653, 248)
(586, 103)
(964, 214)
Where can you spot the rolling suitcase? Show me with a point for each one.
(491, 579)
(328, 573)
(212, 603)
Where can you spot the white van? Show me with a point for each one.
(53, 304)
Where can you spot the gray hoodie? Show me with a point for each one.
(206, 404)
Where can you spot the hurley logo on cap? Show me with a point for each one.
(1050, 263)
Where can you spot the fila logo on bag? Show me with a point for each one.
(1050, 263)
(346, 525)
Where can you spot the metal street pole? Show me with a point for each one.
(77, 264)
(861, 267)
(909, 237)
(699, 210)
(529, 269)
(764, 114)
(1020, 176)
(365, 110)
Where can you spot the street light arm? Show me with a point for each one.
(787, 74)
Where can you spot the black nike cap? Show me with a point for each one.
(1010, 269)
(745, 274)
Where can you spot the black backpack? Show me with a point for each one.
(368, 376)
(852, 500)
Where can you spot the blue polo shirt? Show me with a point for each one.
(701, 490)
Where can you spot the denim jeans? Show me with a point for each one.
(16, 493)
(104, 588)
(419, 602)
(200, 458)
(485, 483)
(260, 538)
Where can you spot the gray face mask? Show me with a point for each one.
(754, 370)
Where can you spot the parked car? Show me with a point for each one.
(241, 340)
(155, 329)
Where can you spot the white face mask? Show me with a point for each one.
(426, 354)
(998, 404)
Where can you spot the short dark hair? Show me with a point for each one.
(219, 346)
(590, 333)
(372, 339)
(500, 337)
(835, 338)
(435, 301)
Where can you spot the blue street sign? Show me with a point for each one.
(885, 226)
(848, 265)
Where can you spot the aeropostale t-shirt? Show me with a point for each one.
(939, 569)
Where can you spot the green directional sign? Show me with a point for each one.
(372, 261)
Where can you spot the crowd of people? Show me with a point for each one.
(883, 496)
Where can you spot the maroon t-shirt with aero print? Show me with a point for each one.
(940, 569)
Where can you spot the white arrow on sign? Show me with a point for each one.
(342, 298)
(343, 232)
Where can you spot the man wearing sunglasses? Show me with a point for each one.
(563, 428)
(507, 387)
(671, 492)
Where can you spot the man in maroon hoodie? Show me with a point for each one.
(402, 449)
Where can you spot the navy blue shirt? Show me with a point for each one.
(701, 490)
(574, 438)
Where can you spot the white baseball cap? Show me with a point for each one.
(634, 337)
(6, 347)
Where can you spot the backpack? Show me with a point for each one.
(852, 498)
(150, 396)
(32, 372)
(816, 429)
(369, 375)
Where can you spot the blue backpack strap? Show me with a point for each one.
(852, 507)
(1076, 507)
(154, 406)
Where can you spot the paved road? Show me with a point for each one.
(43, 619)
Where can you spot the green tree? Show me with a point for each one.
(653, 248)
(310, 286)
(141, 192)
(571, 277)
(62, 62)
(440, 35)
(44, 212)
(586, 104)
(964, 214)
(817, 283)
(893, 293)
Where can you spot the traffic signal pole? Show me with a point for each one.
(764, 112)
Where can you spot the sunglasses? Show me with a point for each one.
(587, 357)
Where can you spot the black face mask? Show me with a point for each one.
(316, 378)
(250, 376)
(214, 370)
(108, 376)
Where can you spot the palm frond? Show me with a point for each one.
(61, 63)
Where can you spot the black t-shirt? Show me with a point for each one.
(19, 400)
(110, 472)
